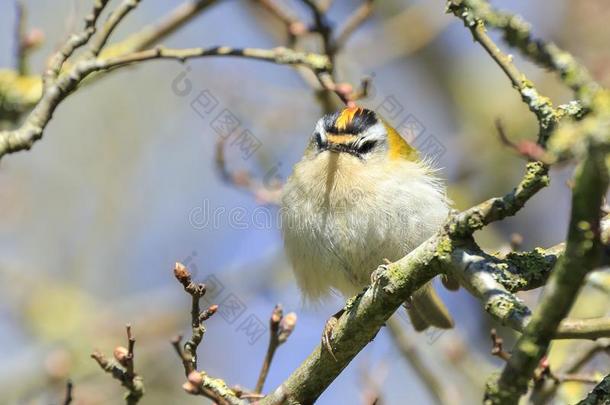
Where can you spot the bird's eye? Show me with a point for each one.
(318, 139)
(367, 146)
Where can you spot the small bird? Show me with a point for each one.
(360, 196)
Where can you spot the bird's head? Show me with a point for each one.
(361, 133)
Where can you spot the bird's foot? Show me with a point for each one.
(379, 270)
(327, 334)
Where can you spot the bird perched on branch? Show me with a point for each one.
(360, 195)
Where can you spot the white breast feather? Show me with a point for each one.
(341, 217)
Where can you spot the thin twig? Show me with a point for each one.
(353, 22)
(265, 191)
(294, 26)
(581, 357)
(20, 28)
(121, 369)
(115, 18)
(582, 378)
(517, 33)
(198, 382)
(68, 397)
(26, 91)
(543, 371)
(280, 328)
(323, 27)
(280, 56)
(541, 106)
(497, 348)
(150, 35)
(25, 42)
(196, 291)
(129, 361)
(535, 178)
(591, 328)
(274, 342)
(75, 41)
(528, 149)
(344, 91)
(326, 77)
(32, 130)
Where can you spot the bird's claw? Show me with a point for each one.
(327, 334)
(377, 272)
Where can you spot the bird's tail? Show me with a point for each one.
(426, 309)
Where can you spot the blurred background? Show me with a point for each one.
(123, 185)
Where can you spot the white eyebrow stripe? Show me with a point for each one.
(376, 132)
(320, 129)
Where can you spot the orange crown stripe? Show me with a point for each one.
(346, 116)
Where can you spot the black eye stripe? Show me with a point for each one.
(367, 146)
(318, 139)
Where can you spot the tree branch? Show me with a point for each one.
(32, 130)
(60, 79)
(593, 328)
(517, 33)
(494, 281)
(366, 314)
(450, 251)
(280, 56)
(20, 93)
(541, 106)
(583, 253)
